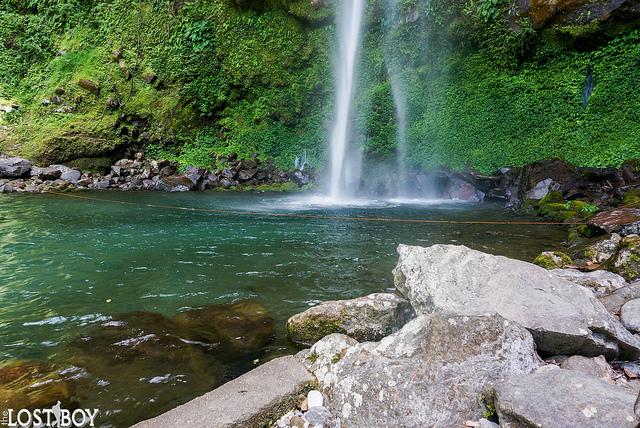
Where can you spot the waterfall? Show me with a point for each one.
(344, 174)
(400, 102)
(394, 20)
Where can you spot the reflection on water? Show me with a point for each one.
(135, 297)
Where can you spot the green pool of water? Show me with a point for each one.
(69, 265)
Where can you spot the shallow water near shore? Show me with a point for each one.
(68, 265)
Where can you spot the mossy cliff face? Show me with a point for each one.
(486, 83)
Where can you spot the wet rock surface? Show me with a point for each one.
(553, 397)
(368, 318)
(432, 372)
(244, 325)
(164, 358)
(31, 385)
(622, 220)
(564, 318)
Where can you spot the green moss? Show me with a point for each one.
(553, 260)
(100, 165)
(278, 187)
(557, 211)
(244, 76)
(552, 197)
(312, 329)
(632, 198)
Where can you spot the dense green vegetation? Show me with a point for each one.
(216, 76)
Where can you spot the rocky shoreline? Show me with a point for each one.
(467, 339)
(20, 175)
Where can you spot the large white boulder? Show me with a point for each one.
(432, 372)
(563, 317)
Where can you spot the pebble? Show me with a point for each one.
(304, 405)
(314, 399)
(297, 422)
(317, 415)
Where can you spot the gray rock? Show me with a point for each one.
(430, 373)
(119, 171)
(175, 183)
(227, 183)
(194, 174)
(14, 167)
(541, 189)
(459, 189)
(601, 282)
(630, 229)
(627, 261)
(72, 176)
(247, 174)
(552, 397)
(630, 315)
(564, 318)
(45, 173)
(85, 182)
(368, 318)
(484, 423)
(7, 188)
(614, 301)
(602, 250)
(229, 174)
(61, 168)
(596, 367)
(317, 415)
(254, 399)
(101, 184)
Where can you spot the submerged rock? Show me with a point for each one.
(430, 373)
(368, 318)
(245, 325)
(564, 318)
(553, 397)
(601, 282)
(136, 335)
(30, 385)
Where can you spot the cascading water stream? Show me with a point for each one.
(399, 99)
(398, 91)
(344, 175)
